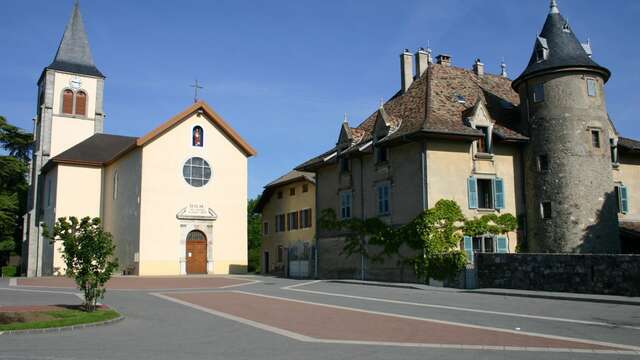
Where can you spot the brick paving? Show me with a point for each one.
(140, 282)
(330, 323)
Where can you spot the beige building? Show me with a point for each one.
(460, 134)
(174, 199)
(287, 206)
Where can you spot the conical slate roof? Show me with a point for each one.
(74, 54)
(564, 50)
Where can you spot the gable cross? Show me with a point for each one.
(196, 87)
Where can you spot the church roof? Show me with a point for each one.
(97, 150)
(563, 48)
(74, 53)
(199, 107)
(628, 144)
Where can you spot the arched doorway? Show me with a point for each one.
(196, 252)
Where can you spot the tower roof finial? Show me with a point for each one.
(553, 7)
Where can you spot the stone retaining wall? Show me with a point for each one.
(593, 274)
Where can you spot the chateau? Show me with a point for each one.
(174, 199)
(541, 147)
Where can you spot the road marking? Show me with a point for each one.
(301, 284)
(251, 282)
(481, 327)
(255, 324)
(304, 338)
(42, 291)
(400, 302)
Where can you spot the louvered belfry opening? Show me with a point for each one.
(67, 102)
(81, 103)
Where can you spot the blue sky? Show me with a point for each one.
(283, 73)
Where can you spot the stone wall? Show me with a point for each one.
(594, 274)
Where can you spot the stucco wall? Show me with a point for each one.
(121, 213)
(287, 204)
(628, 173)
(165, 193)
(68, 130)
(78, 193)
(449, 165)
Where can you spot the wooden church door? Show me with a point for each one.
(196, 253)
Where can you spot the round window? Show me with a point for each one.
(196, 172)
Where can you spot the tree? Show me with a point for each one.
(490, 224)
(88, 255)
(13, 183)
(254, 236)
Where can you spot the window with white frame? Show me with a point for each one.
(383, 192)
(196, 171)
(292, 223)
(345, 204)
(484, 143)
(591, 87)
(305, 218)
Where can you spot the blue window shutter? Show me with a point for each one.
(468, 247)
(502, 244)
(624, 200)
(472, 192)
(498, 185)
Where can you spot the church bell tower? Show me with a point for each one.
(69, 110)
(569, 187)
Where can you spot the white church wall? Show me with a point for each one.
(165, 193)
(78, 193)
(121, 208)
(68, 130)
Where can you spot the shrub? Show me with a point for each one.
(9, 271)
(88, 255)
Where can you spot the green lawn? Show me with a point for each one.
(56, 318)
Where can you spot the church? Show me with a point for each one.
(174, 199)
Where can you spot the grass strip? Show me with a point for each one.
(60, 318)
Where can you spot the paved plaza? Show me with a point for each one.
(253, 317)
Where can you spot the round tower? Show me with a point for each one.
(569, 190)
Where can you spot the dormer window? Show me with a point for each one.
(344, 165)
(566, 28)
(484, 143)
(541, 49)
(459, 99)
(382, 154)
(540, 54)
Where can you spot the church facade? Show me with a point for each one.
(174, 199)
(541, 147)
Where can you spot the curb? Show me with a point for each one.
(63, 328)
(555, 297)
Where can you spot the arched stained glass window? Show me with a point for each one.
(197, 137)
(81, 103)
(67, 102)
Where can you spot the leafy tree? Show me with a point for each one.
(14, 166)
(88, 255)
(254, 223)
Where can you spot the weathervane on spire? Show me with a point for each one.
(554, 7)
(196, 87)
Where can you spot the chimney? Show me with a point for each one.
(422, 62)
(444, 59)
(478, 67)
(406, 69)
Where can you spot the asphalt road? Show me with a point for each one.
(156, 328)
